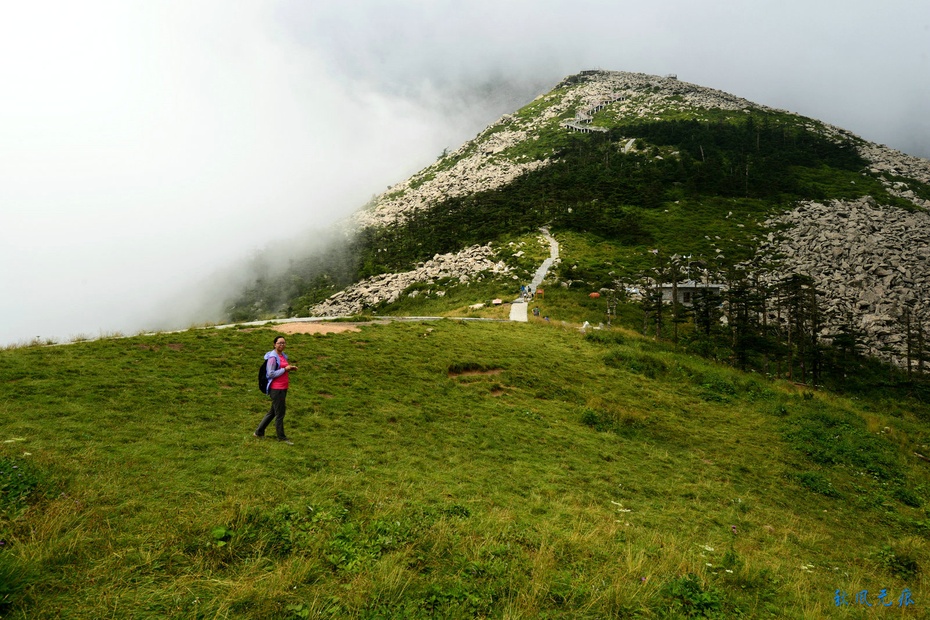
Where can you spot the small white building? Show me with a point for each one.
(686, 289)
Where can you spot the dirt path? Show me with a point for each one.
(518, 311)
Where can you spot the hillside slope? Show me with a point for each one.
(648, 164)
(448, 469)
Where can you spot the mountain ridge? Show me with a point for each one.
(608, 152)
(431, 185)
(476, 155)
(499, 156)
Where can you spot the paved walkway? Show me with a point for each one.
(519, 308)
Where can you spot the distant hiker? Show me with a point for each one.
(536, 311)
(278, 369)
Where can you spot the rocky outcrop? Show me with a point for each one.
(476, 167)
(870, 261)
(643, 96)
(470, 264)
(888, 164)
(890, 161)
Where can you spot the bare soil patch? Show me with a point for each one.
(316, 328)
(471, 373)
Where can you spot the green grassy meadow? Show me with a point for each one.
(448, 469)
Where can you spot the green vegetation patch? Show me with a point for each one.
(834, 438)
(22, 484)
(816, 482)
(446, 469)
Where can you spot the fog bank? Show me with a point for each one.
(146, 147)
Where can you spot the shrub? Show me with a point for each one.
(21, 484)
(899, 563)
(605, 337)
(640, 363)
(817, 482)
(907, 497)
(688, 597)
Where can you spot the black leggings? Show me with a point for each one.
(278, 408)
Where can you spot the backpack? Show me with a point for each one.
(263, 383)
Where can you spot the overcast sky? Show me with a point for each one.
(145, 145)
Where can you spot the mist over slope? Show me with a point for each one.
(652, 164)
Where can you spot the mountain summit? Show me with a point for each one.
(596, 102)
(656, 167)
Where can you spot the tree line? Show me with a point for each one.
(745, 316)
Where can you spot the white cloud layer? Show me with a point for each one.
(146, 145)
